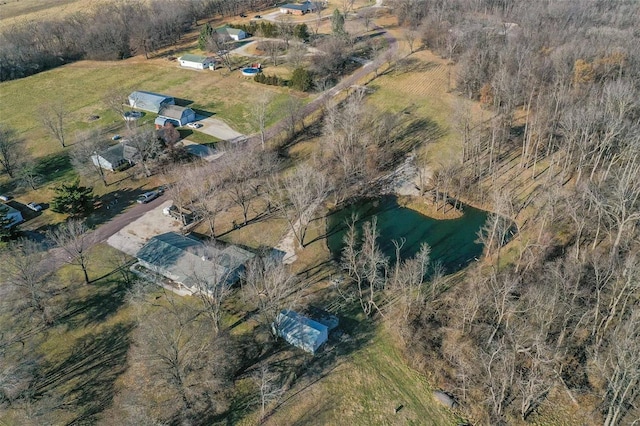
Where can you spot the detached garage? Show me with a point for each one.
(148, 101)
(177, 115)
(197, 62)
(300, 331)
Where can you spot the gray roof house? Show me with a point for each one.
(298, 9)
(190, 263)
(148, 101)
(300, 331)
(115, 156)
(11, 213)
(233, 33)
(177, 115)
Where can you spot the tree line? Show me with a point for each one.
(113, 31)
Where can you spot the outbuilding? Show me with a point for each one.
(177, 115)
(12, 214)
(197, 62)
(233, 33)
(300, 331)
(148, 101)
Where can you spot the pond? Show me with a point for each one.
(452, 241)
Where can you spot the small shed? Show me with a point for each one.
(233, 33)
(12, 214)
(115, 156)
(300, 331)
(148, 101)
(197, 62)
(176, 115)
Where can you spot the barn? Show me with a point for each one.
(300, 331)
(148, 101)
(176, 115)
(197, 62)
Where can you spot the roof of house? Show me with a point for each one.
(148, 100)
(195, 58)
(299, 329)
(174, 111)
(305, 7)
(187, 260)
(7, 209)
(228, 30)
(118, 152)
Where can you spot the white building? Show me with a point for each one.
(197, 62)
(300, 331)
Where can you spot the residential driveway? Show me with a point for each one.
(132, 237)
(219, 129)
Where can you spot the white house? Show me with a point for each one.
(300, 331)
(177, 115)
(197, 62)
(233, 33)
(14, 215)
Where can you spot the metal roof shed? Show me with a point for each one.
(300, 331)
(148, 101)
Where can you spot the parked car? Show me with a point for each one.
(194, 125)
(242, 15)
(115, 137)
(148, 196)
(257, 17)
(5, 197)
(34, 206)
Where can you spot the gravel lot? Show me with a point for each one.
(133, 236)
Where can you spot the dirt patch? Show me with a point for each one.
(133, 236)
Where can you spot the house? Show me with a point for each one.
(148, 101)
(176, 115)
(115, 156)
(300, 331)
(197, 62)
(191, 264)
(233, 33)
(10, 213)
(298, 9)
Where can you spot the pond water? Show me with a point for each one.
(452, 241)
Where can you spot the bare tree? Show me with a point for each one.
(9, 151)
(367, 16)
(25, 268)
(117, 101)
(269, 286)
(298, 196)
(74, 240)
(222, 45)
(270, 387)
(260, 115)
(147, 145)
(87, 147)
(293, 116)
(53, 117)
(296, 55)
(410, 35)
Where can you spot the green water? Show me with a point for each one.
(452, 241)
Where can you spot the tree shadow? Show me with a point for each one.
(87, 376)
(106, 297)
(53, 167)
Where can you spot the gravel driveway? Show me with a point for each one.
(219, 129)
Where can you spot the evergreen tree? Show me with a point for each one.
(205, 33)
(301, 79)
(301, 32)
(73, 199)
(337, 23)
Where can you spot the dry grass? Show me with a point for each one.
(18, 11)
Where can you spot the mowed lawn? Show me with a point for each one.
(364, 388)
(83, 86)
(421, 90)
